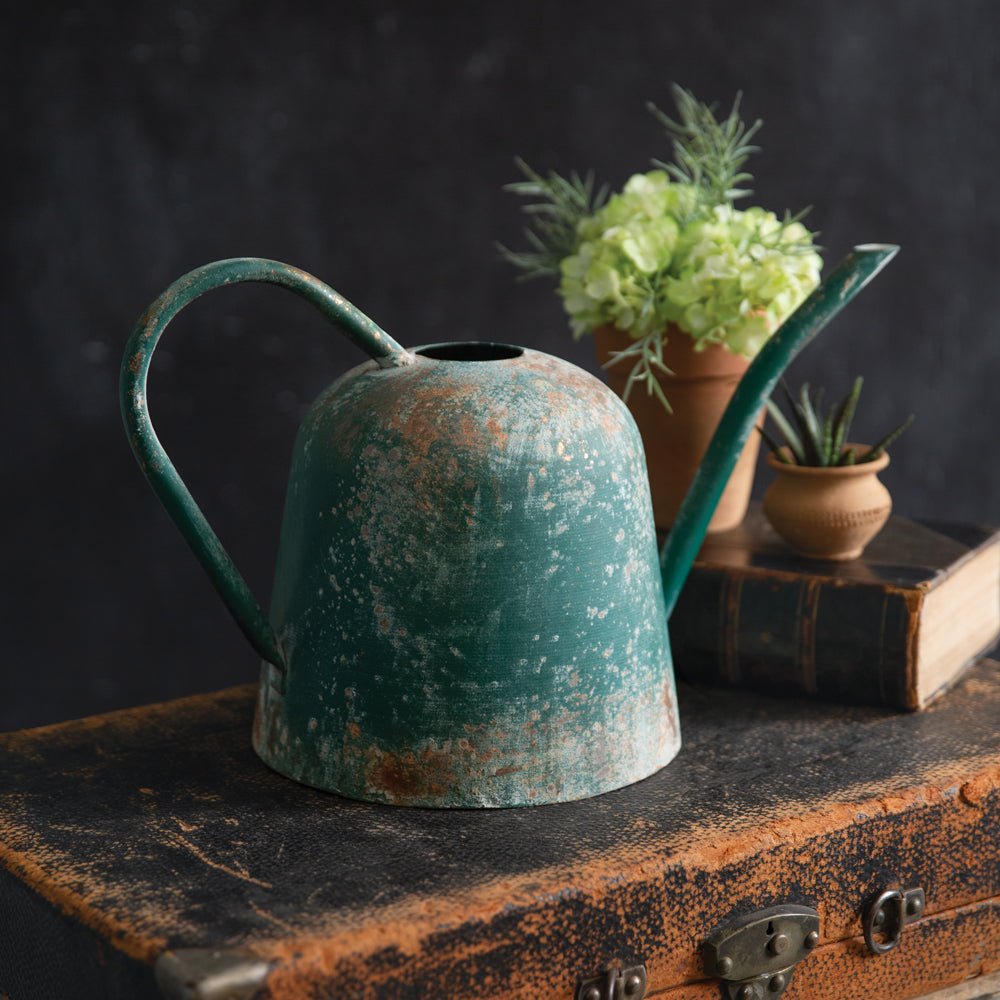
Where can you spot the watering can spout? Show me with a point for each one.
(688, 532)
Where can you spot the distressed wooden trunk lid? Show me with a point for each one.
(154, 829)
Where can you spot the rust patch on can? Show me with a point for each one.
(409, 777)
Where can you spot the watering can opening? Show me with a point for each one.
(469, 608)
(470, 350)
(880, 248)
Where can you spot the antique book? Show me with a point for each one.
(148, 853)
(893, 628)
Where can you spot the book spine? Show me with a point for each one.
(783, 634)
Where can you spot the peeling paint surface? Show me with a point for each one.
(468, 591)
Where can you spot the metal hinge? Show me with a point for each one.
(887, 915)
(755, 955)
(615, 984)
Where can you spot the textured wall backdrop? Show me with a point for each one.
(368, 144)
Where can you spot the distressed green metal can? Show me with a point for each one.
(468, 591)
(469, 607)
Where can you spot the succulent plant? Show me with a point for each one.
(817, 438)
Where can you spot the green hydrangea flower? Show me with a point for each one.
(624, 250)
(648, 258)
(669, 251)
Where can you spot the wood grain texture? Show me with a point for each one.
(158, 828)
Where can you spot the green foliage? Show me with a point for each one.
(560, 204)
(670, 251)
(817, 438)
(708, 154)
(731, 277)
(646, 355)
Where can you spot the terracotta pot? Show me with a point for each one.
(828, 513)
(699, 391)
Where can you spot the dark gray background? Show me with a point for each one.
(368, 144)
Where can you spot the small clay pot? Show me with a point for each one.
(699, 391)
(828, 513)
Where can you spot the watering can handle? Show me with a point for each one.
(153, 460)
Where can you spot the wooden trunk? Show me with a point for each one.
(129, 838)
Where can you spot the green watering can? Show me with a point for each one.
(469, 608)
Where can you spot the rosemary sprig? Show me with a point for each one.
(708, 154)
(646, 355)
(778, 239)
(559, 206)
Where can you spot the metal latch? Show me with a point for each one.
(615, 984)
(888, 914)
(755, 955)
